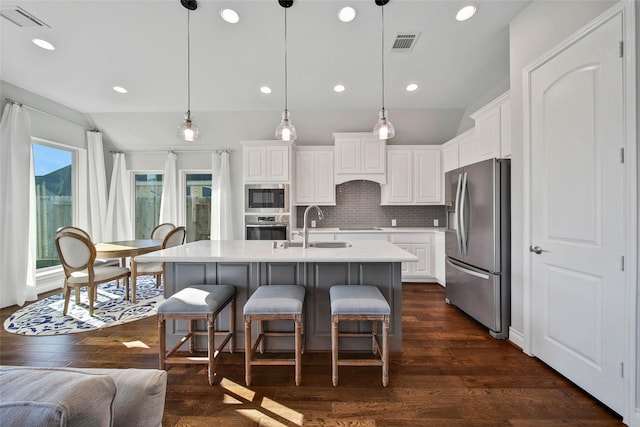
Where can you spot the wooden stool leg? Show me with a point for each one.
(334, 349)
(211, 347)
(374, 333)
(261, 336)
(385, 351)
(232, 325)
(247, 350)
(192, 338)
(163, 339)
(298, 344)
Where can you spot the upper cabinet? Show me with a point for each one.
(491, 136)
(414, 176)
(314, 178)
(458, 152)
(493, 129)
(359, 155)
(266, 161)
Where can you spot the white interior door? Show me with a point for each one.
(577, 184)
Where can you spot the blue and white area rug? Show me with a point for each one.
(45, 317)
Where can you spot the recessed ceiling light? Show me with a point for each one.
(43, 44)
(411, 87)
(120, 89)
(339, 88)
(466, 13)
(347, 14)
(265, 89)
(230, 16)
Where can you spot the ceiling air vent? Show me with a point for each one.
(21, 17)
(405, 41)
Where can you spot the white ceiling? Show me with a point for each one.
(141, 45)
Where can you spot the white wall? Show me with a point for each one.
(201, 160)
(535, 31)
(47, 126)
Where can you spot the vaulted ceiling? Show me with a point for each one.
(141, 45)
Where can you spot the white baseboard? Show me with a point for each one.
(516, 337)
(49, 281)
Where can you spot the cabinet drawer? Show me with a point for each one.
(410, 238)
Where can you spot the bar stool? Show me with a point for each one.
(198, 302)
(273, 302)
(360, 303)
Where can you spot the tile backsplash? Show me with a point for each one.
(358, 205)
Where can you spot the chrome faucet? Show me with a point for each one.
(305, 227)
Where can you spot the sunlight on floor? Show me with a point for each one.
(238, 393)
(135, 344)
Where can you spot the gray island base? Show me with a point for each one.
(250, 264)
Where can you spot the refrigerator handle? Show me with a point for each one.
(456, 215)
(463, 226)
(467, 271)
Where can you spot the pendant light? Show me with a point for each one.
(285, 131)
(383, 129)
(188, 130)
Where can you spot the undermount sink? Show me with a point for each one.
(333, 244)
(359, 228)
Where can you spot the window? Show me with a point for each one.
(198, 206)
(54, 171)
(148, 194)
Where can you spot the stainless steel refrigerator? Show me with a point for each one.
(477, 243)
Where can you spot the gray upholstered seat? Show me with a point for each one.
(360, 303)
(198, 299)
(363, 299)
(197, 302)
(276, 299)
(274, 302)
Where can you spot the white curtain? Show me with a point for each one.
(17, 195)
(97, 187)
(118, 223)
(221, 219)
(169, 200)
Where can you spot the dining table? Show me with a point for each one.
(124, 249)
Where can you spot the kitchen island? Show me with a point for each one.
(247, 264)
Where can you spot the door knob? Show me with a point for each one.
(535, 249)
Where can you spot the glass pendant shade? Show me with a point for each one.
(384, 129)
(286, 131)
(188, 131)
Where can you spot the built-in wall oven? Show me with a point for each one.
(271, 198)
(267, 227)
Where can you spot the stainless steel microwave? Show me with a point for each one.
(266, 198)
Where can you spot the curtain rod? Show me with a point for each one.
(175, 151)
(11, 101)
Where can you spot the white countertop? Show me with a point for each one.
(263, 251)
(379, 230)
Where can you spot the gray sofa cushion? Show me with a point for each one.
(138, 396)
(55, 398)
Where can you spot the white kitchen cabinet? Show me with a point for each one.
(414, 176)
(458, 151)
(359, 155)
(493, 129)
(314, 177)
(266, 161)
(450, 151)
(439, 257)
(421, 245)
(466, 148)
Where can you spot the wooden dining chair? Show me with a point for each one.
(161, 230)
(175, 237)
(77, 254)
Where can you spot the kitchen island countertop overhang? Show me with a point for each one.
(248, 264)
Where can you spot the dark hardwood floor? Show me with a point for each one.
(450, 373)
